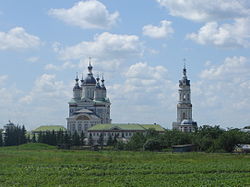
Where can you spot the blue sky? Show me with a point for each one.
(139, 46)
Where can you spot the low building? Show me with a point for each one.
(122, 132)
(183, 148)
(242, 148)
(45, 128)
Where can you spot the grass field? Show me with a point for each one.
(43, 165)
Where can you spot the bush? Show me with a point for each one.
(152, 145)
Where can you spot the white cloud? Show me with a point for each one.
(18, 38)
(207, 10)
(225, 35)
(232, 68)
(145, 95)
(3, 78)
(65, 65)
(45, 87)
(87, 15)
(105, 46)
(162, 31)
(222, 93)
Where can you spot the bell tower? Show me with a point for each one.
(184, 121)
(184, 106)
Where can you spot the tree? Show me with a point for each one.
(101, 140)
(33, 139)
(152, 145)
(110, 140)
(67, 139)
(82, 137)
(91, 141)
(136, 142)
(60, 137)
(1, 138)
(229, 139)
(23, 138)
(40, 137)
(14, 135)
(151, 133)
(75, 139)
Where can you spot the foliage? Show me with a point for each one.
(100, 141)
(1, 139)
(136, 142)
(76, 139)
(110, 140)
(90, 141)
(152, 145)
(15, 135)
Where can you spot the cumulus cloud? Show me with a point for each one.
(18, 38)
(3, 78)
(65, 65)
(222, 93)
(224, 35)
(87, 15)
(105, 46)
(45, 87)
(145, 88)
(162, 31)
(207, 10)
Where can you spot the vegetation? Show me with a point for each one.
(206, 138)
(52, 167)
(14, 135)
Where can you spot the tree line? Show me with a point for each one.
(13, 135)
(205, 138)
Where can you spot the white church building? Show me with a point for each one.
(89, 105)
(184, 122)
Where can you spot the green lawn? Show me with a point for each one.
(42, 165)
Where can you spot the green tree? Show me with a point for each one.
(136, 142)
(151, 133)
(60, 137)
(67, 139)
(75, 139)
(33, 139)
(1, 138)
(91, 141)
(82, 138)
(152, 145)
(110, 140)
(22, 135)
(100, 141)
(229, 139)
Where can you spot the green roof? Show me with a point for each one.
(50, 128)
(143, 127)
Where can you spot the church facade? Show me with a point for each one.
(89, 105)
(184, 122)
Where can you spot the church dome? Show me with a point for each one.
(90, 80)
(186, 122)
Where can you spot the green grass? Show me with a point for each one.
(43, 165)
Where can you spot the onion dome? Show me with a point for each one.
(103, 86)
(90, 79)
(82, 81)
(186, 122)
(98, 83)
(77, 84)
